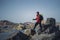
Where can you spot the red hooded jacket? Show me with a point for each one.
(38, 19)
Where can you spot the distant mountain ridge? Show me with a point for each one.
(6, 22)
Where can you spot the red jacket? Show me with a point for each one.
(38, 19)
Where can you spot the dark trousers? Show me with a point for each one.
(39, 26)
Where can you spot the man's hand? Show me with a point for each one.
(34, 19)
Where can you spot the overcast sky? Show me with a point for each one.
(25, 10)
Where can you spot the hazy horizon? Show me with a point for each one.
(20, 11)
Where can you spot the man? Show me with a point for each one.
(38, 19)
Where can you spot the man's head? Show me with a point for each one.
(37, 13)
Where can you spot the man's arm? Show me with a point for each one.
(34, 19)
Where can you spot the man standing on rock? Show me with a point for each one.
(38, 19)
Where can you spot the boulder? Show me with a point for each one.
(51, 21)
(29, 32)
(19, 27)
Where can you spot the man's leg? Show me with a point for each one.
(40, 30)
(35, 25)
(40, 26)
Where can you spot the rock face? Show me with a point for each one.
(21, 36)
(51, 21)
(29, 25)
(6, 22)
(6, 25)
(27, 32)
(20, 27)
(57, 36)
(51, 25)
(50, 31)
(43, 37)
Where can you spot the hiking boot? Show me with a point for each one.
(33, 32)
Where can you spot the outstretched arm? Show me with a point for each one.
(34, 19)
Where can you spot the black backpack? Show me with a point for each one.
(41, 17)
